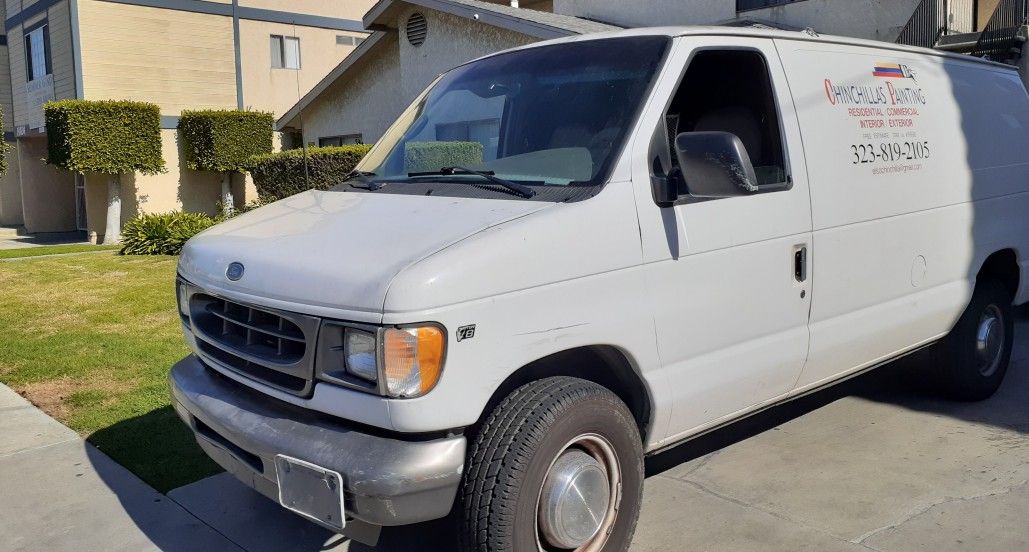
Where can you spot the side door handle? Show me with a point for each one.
(800, 264)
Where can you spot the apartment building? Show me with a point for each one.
(178, 54)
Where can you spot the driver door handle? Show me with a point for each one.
(800, 264)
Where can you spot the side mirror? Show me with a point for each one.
(715, 165)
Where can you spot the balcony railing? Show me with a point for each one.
(927, 24)
(1001, 39)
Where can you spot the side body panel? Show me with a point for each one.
(563, 277)
(729, 316)
(919, 171)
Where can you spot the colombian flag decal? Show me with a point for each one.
(890, 70)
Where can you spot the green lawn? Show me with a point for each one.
(90, 339)
(53, 250)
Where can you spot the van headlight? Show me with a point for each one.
(397, 362)
(412, 360)
(360, 350)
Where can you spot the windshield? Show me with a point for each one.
(552, 118)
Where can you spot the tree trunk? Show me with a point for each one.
(112, 234)
(227, 206)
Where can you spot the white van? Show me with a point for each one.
(566, 257)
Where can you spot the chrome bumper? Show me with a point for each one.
(386, 481)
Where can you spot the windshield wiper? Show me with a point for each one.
(364, 177)
(520, 189)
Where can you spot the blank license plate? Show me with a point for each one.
(311, 491)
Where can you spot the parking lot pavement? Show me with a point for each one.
(873, 464)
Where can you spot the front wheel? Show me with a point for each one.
(558, 465)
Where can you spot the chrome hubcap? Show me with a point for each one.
(578, 500)
(989, 340)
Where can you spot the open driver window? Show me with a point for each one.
(731, 91)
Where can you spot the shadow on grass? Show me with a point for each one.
(158, 448)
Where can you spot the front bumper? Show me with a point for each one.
(386, 481)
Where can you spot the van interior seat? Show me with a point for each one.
(738, 120)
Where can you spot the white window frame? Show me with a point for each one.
(284, 62)
(42, 30)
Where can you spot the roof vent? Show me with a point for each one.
(417, 28)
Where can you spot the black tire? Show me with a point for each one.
(958, 365)
(515, 448)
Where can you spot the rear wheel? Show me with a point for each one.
(973, 359)
(558, 465)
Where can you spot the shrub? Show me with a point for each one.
(280, 175)
(110, 137)
(224, 141)
(162, 233)
(433, 156)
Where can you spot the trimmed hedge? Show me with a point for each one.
(280, 175)
(110, 137)
(433, 156)
(224, 140)
(162, 233)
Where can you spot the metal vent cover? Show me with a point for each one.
(416, 29)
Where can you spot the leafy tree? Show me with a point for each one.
(108, 137)
(224, 141)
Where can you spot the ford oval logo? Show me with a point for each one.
(234, 272)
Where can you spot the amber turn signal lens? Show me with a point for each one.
(413, 360)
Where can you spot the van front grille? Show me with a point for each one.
(274, 348)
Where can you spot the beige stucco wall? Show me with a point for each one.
(177, 189)
(357, 103)
(270, 89)
(450, 41)
(986, 9)
(176, 59)
(10, 191)
(370, 95)
(48, 193)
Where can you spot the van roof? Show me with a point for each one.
(755, 32)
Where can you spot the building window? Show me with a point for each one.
(744, 5)
(37, 52)
(285, 52)
(344, 40)
(342, 140)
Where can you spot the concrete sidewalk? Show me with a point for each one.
(12, 238)
(58, 493)
(873, 464)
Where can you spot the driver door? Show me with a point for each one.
(729, 279)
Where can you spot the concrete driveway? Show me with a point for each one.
(873, 464)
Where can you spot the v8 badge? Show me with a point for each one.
(465, 332)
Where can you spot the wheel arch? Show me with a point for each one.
(1003, 266)
(605, 365)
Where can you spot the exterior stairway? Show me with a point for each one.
(953, 26)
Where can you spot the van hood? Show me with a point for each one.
(336, 250)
